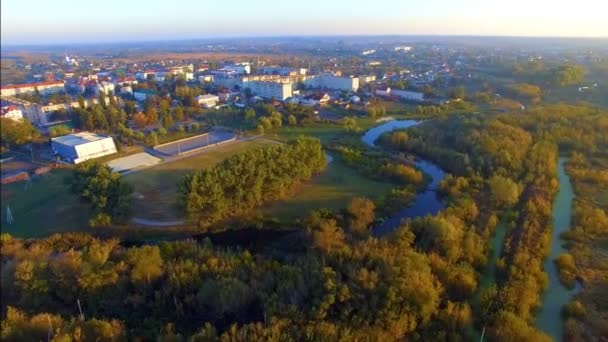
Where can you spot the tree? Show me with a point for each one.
(130, 107)
(140, 120)
(151, 115)
(179, 113)
(153, 138)
(512, 328)
(81, 102)
(146, 264)
(102, 100)
(327, 236)
(457, 92)
(15, 132)
(568, 74)
(109, 196)
(249, 114)
(361, 213)
(167, 120)
(504, 192)
(291, 120)
(350, 125)
(57, 131)
(526, 91)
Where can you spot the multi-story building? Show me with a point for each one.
(269, 89)
(44, 88)
(329, 81)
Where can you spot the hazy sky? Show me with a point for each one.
(46, 21)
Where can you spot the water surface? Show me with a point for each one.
(426, 202)
(557, 295)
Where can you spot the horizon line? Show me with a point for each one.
(396, 35)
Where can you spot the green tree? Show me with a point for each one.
(15, 132)
(109, 196)
(179, 113)
(146, 264)
(291, 120)
(457, 92)
(568, 74)
(167, 120)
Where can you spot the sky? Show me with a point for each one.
(78, 21)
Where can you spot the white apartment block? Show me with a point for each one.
(269, 89)
(328, 81)
(44, 88)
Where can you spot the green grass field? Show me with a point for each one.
(45, 207)
(332, 189)
(321, 130)
(158, 185)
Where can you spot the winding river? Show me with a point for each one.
(427, 201)
(557, 295)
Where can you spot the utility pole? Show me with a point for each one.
(50, 333)
(9, 216)
(80, 309)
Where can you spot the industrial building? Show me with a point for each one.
(79, 147)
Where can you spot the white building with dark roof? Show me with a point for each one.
(79, 147)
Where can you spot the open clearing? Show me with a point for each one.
(44, 207)
(332, 189)
(156, 187)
